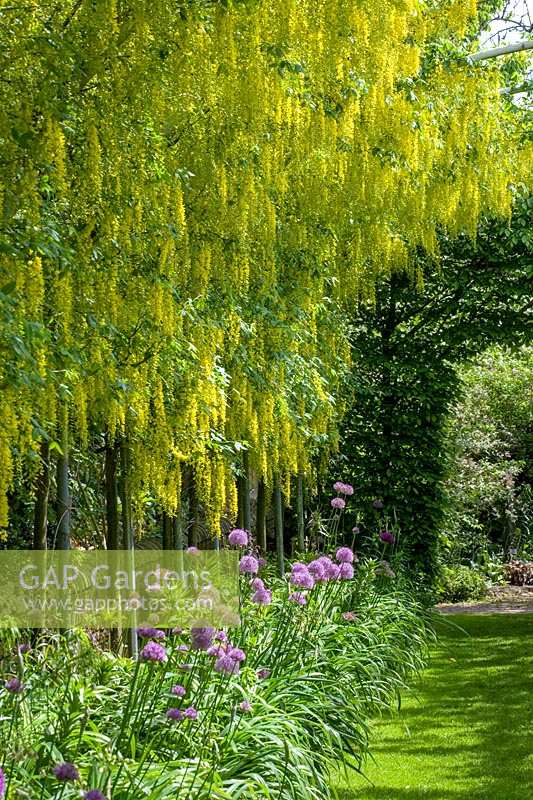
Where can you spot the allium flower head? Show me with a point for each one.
(66, 772)
(343, 488)
(175, 714)
(183, 648)
(191, 713)
(152, 651)
(192, 550)
(262, 597)
(2, 782)
(299, 598)
(245, 706)
(338, 502)
(356, 529)
(202, 638)
(238, 537)
(317, 570)
(257, 584)
(387, 536)
(221, 636)
(94, 794)
(333, 571)
(299, 567)
(302, 579)
(262, 562)
(344, 555)
(349, 616)
(151, 633)
(178, 690)
(14, 685)
(227, 665)
(216, 649)
(237, 654)
(249, 564)
(346, 572)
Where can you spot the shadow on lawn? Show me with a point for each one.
(471, 733)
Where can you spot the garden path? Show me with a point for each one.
(465, 732)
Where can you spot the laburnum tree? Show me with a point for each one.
(191, 194)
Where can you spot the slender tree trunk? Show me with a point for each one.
(240, 502)
(111, 505)
(246, 510)
(111, 513)
(63, 489)
(278, 519)
(127, 531)
(300, 513)
(42, 492)
(168, 531)
(260, 517)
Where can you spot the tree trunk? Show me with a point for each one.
(300, 513)
(127, 531)
(111, 505)
(246, 510)
(168, 532)
(42, 492)
(260, 517)
(278, 518)
(63, 489)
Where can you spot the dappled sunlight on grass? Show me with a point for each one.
(467, 729)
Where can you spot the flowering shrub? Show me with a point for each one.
(255, 711)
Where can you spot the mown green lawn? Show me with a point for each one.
(466, 731)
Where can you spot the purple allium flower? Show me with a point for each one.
(356, 529)
(175, 714)
(237, 654)
(299, 598)
(338, 502)
(245, 706)
(202, 638)
(2, 782)
(221, 636)
(14, 685)
(263, 674)
(346, 571)
(191, 713)
(387, 536)
(333, 572)
(344, 555)
(378, 505)
(349, 616)
(66, 772)
(192, 550)
(238, 537)
(303, 580)
(178, 690)
(257, 584)
(317, 570)
(227, 665)
(183, 648)
(151, 633)
(249, 564)
(343, 488)
(216, 650)
(337, 486)
(263, 597)
(153, 652)
(262, 562)
(299, 567)
(348, 489)
(94, 794)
